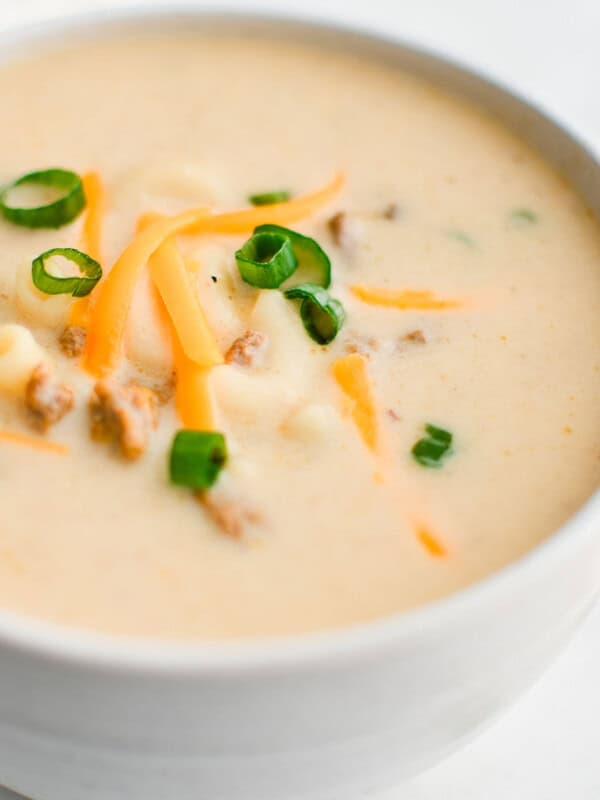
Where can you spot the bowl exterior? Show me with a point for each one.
(337, 728)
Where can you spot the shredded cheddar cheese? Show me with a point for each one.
(95, 195)
(293, 210)
(431, 543)
(176, 287)
(109, 314)
(351, 374)
(404, 299)
(31, 441)
(193, 397)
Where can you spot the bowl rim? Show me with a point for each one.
(174, 658)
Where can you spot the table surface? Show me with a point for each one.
(545, 748)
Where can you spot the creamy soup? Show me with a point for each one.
(435, 423)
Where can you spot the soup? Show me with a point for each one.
(364, 444)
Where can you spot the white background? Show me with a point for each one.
(547, 747)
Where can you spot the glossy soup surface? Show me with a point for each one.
(333, 531)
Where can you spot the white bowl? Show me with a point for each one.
(330, 715)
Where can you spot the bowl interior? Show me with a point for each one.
(579, 165)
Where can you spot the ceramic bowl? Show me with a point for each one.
(324, 716)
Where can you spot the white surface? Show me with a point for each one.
(546, 747)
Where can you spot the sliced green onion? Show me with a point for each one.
(197, 458)
(269, 198)
(461, 236)
(431, 449)
(321, 314)
(439, 434)
(314, 265)
(54, 214)
(266, 260)
(53, 284)
(524, 215)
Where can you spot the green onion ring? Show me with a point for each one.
(431, 449)
(197, 458)
(439, 434)
(269, 198)
(524, 215)
(314, 265)
(321, 314)
(266, 260)
(52, 284)
(55, 214)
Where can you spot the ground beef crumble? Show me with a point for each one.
(362, 344)
(230, 516)
(417, 337)
(247, 349)
(391, 211)
(46, 400)
(72, 341)
(125, 415)
(342, 229)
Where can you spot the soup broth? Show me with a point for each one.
(469, 274)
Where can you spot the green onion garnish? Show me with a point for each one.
(266, 260)
(431, 449)
(59, 212)
(321, 314)
(269, 198)
(53, 284)
(314, 265)
(524, 215)
(197, 458)
(461, 236)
